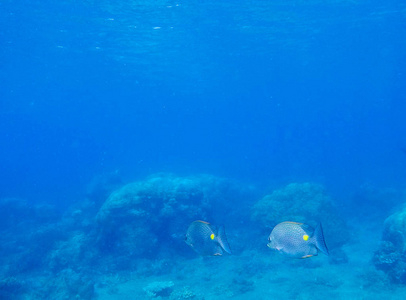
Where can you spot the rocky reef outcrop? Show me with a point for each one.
(144, 217)
(391, 256)
(302, 202)
(140, 226)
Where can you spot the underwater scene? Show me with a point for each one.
(202, 150)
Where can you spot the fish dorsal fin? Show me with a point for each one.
(295, 223)
(203, 222)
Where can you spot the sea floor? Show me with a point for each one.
(124, 249)
(263, 275)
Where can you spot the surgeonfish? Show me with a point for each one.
(207, 239)
(297, 240)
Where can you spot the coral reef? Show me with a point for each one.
(67, 284)
(302, 202)
(241, 285)
(11, 288)
(185, 293)
(17, 214)
(159, 289)
(75, 252)
(126, 232)
(27, 232)
(141, 216)
(132, 244)
(391, 256)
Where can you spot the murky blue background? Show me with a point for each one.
(263, 91)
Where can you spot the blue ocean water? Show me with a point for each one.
(266, 93)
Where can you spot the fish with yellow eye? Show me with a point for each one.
(207, 239)
(297, 240)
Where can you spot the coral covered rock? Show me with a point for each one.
(75, 252)
(391, 256)
(159, 289)
(395, 230)
(302, 202)
(67, 284)
(11, 288)
(141, 216)
(18, 214)
(185, 293)
(27, 232)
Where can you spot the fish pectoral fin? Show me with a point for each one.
(307, 256)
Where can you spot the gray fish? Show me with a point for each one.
(297, 240)
(207, 239)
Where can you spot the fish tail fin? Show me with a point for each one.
(222, 239)
(319, 239)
